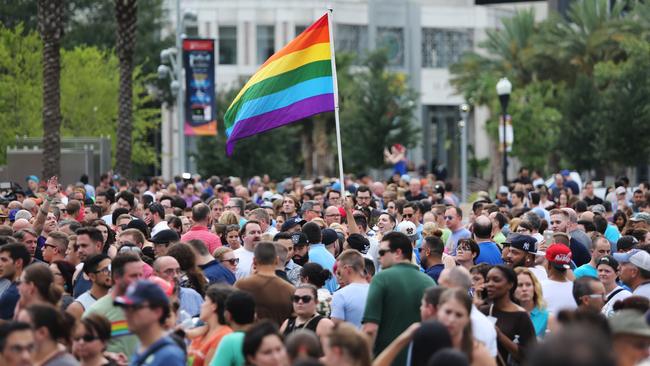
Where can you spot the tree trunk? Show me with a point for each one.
(126, 13)
(322, 147)
(50, 24)
(306, 142)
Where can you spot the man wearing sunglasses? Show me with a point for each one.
(393, 302)
(453, 220)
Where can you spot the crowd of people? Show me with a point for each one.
(220, 272)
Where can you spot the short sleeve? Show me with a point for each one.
(338, 306)
(374, 302)
(526, 331)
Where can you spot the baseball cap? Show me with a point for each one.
(140, 292)
(291, 222)
(165, 237)
(359, 242)
(565, 172)
(504, 190)
(439, 189)
(559, 256)
(598, 209)
(638, 257)
(526, 243)
(626, 242)
(12, 214)
(329, 236)
(166, 286)
(32, 177)
(608, 260)
(407, 228)
(299, 239)
(641, 216)
(23, 214)
(629, 321)
(620, 190)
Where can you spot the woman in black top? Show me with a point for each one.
(305, 299)
(515, 331)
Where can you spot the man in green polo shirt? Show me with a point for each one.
(393, 302)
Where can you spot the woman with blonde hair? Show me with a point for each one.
(529, 295)
(228, 218)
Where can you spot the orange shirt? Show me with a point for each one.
(201, 345)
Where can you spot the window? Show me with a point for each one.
(227, 45)
(300, 29)
(392, 40)
(351, 38)
(265, 42)
(443, 47)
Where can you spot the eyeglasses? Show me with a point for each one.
(87, 338)
(124, 226)
(449, 217)
(106, 270)
(305, 299)
(171, 271)
(49, 245)
(233, 261)
(18, 349)
(333, 215)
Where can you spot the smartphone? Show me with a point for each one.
(548, 237)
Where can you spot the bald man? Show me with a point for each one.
(489, 251)
(167, 268)
(20, 224)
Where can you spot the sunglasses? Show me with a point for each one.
(407, 216)
(382, 252)
(305, 299)
(87, 338)
(234, 261)
(449, 217)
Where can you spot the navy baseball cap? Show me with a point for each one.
(142, 292)
(526, 243)
(329, 236)
(291, 222)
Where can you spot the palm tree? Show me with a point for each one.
(126, 12)
(50, 26)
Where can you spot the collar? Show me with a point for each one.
(318, 245)
(199, 227)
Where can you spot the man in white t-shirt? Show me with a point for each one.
(558, 289)
(251, 234)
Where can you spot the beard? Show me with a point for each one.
(301, 260)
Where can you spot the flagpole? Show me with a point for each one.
(330, 25)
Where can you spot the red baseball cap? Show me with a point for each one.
(559, 255)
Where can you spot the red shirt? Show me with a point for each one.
(202, 233)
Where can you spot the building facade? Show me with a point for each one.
(423, 38)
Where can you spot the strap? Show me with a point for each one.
(491, 307)
(614, 294)
(149, 352)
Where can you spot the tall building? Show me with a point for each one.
(423, 37)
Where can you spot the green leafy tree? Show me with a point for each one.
(377, 111)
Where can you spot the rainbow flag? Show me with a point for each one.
(295, 83)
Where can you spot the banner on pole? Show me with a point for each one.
(509, 133)
(200, 101)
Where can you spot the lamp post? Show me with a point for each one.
(504, 88)
(464, 113)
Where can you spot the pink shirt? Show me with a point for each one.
(202, 233)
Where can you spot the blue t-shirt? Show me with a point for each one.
(612, 234)
(489, 253)
(434, 271)
(319, 254)
(455, 236)
(165, 353)
(586, 270)
(349, 303)
(216, 273)
(8, 301)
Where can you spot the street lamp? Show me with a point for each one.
(172, 67)
(464, 113)
(504, 88)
